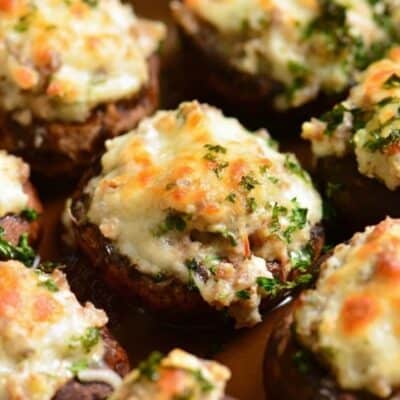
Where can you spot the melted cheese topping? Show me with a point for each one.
(351, 320)
(13, 174)
(194, 196)
(179, 375)
(367, 123)
(44, 333)
(307, 45)
(60, 59)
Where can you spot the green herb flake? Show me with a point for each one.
(174, 221)
(333, 118)
(243, 294)
(22, 251)
(90, 338)
(231, 197)
(29, 214)
(273, 287)
(292, 165)
(78, 366)
(215, 148)
(251, 205)
(50, 285)
(149, 368)
(277, 212)
(248, 182)
(91, 3)
(302, 259)
(392, 82)
(48, 266)
(205, 385)
(376, 142)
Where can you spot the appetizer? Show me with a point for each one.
(341, 341)
(179, 375)
(191, 213)
(20, 210)
(357, 146)
(52, 347)
(284, 54)
(72, 74)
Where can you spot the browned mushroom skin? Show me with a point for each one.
(16, 225)
(358, 200)
(115, 357)
(170, 298)
(288, 376)
(67, 148)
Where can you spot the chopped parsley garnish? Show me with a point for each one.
(215, 148)
(48, 266)
(376, 142)
(211, 155)
(149, 368)
(205, 385)
(330, 24)
(22, 251)
(248, 182)
(50, 285)
(392, 82)
(220, 167)
(295, 168)
(277, 212)
(91, 3)
(302, 259)
(231, 197)
(78, 366)
(273, 287)
(23, 23)
(243, 294)
(174, 221)
(90, 338)
(29, 214)
(302, 361)
(333, 118)
(226, 234)
(297, 220)
(251, 204)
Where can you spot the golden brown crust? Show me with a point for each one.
(64, 149)
(292, 374)
(16, 225)
(115, 358)
(169, 298)
(359, 201)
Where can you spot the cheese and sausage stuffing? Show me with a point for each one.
(367, 124)
(13, 175)
(351, 319)
(60, 59)
(307, 46)
(192, 195)
(46, 337)
(180, 375)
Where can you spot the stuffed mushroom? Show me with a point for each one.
(192, 213)
(20, 210)
(53, 348)
(72, 74)
(179, 375)
(341, 341)
(284, 54)
(356, 146)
